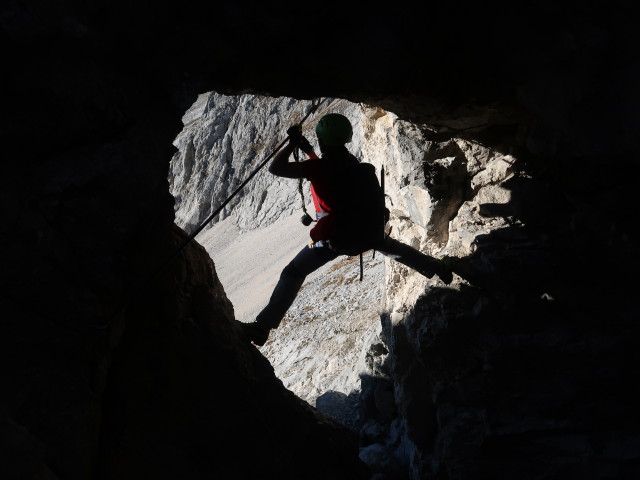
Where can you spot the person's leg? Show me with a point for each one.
(291, 279)
(415, 259)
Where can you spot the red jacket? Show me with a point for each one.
(325, 177)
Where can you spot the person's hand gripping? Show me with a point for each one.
(297, 139)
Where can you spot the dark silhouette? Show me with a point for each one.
(330, 187)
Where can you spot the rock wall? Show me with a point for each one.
(438, 188)
(226, 138)
(498, 372)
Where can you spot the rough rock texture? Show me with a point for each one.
(535, 379)
(226, 138)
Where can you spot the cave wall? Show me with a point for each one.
(517, 368)
(93, 94)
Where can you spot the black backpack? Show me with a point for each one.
(361, 214)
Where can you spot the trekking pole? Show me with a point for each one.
(162, 268)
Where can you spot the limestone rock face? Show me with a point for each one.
(224, 140)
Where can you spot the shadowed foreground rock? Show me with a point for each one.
(180, 371)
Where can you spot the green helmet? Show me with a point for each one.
(334, 130)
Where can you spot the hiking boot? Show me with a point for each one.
(256, 332)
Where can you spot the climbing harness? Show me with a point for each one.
(315, 103)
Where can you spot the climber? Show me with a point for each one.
(329, 187)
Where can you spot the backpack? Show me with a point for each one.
(361, 214)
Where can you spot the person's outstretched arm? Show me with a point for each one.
(281, 166)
